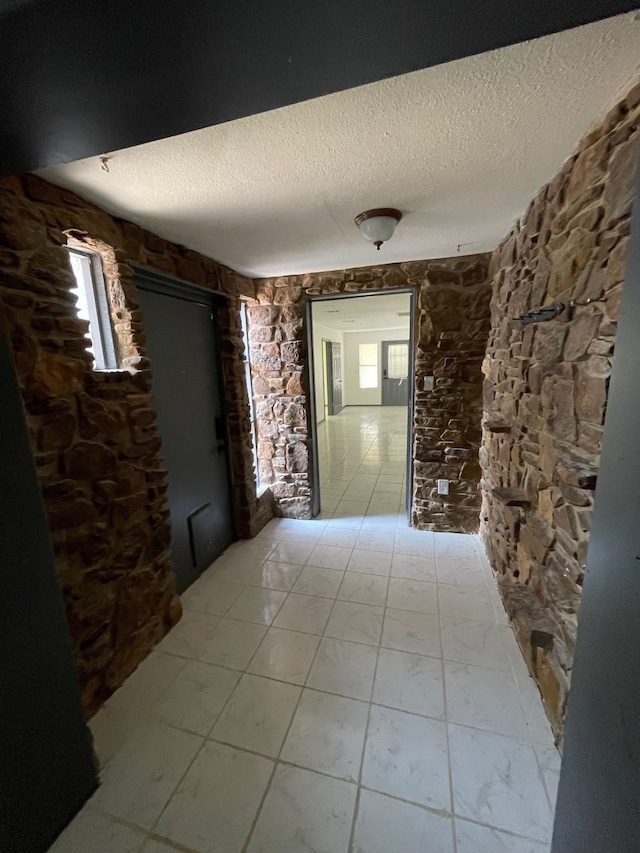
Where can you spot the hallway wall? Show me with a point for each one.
(354, 395)
(546, 390)
(94, 434)
(452, 323)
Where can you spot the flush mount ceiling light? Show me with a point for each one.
(378, 225)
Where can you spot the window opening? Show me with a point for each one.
(247, 377)
(92, 305)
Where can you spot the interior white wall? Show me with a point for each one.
(323, 333)
(352, 394)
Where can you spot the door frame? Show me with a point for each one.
(384, 349)
(168, 285)
(328, 375)
(313, 427)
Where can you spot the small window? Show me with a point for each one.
(247, 376)
(92, 305)
(398, 361)
(368, 364)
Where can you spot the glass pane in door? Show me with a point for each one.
(398, 361)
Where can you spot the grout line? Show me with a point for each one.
(446, 724)
(284, 739)
(368, 722)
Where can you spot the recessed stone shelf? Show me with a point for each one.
(511, 497)
(578, 473)
(497, 426)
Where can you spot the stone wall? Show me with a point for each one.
(546, 392)
(452, 323)
(94, 434)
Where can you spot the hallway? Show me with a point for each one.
(342, 684)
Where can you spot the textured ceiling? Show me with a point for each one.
(364, 313)
(460, 148)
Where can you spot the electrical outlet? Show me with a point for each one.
(443, 487)
(427, 383)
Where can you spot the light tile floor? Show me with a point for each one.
(342, 684)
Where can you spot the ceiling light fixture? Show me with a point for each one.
(378, 225)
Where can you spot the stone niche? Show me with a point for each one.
(545, 392)
(94, 435)
(451, 324)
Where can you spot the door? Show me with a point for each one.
(182, 344)
(395, 373)
(334, 377)
(47, 770)
(336, 374)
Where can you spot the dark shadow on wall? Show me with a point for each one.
(47, 770)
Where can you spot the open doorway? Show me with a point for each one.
(362, 379)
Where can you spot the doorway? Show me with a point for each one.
(362, 379)
(183, 346)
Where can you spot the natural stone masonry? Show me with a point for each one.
(94, 434)
(546, 392)
(452, 324)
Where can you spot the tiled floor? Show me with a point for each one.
(342, 684)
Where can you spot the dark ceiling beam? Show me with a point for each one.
(81, 77)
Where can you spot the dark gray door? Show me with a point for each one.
(47, 769)
(395, 373)
(334, 377)
(182, 345)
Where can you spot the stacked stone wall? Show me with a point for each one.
(546, 391)
(94, 434)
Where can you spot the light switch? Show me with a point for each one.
(427, 383)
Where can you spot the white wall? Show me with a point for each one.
(320, 334)
(352, 394)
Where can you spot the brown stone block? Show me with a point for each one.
(297, 457)
(39, 190)
(191, 270)
(90, 460)
(56, 432)
(548, 344)
(263, 362)
(56, 375)
(292, 352)
(582, 330)
(287, 295)
(127, 508)
(261, 334)
(591, 395)
(619, 187)
(70, 512)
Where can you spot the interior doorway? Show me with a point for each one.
(362, 380)
(182, 343)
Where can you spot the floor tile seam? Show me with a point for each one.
(256, 816)
(149, 834)
(509, 832)
(367, 724)
(542, 777)
(277, 758)
(180, 781)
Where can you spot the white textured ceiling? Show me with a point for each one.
(364, 313)
(460, 148)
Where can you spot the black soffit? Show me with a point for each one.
(81, 77)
